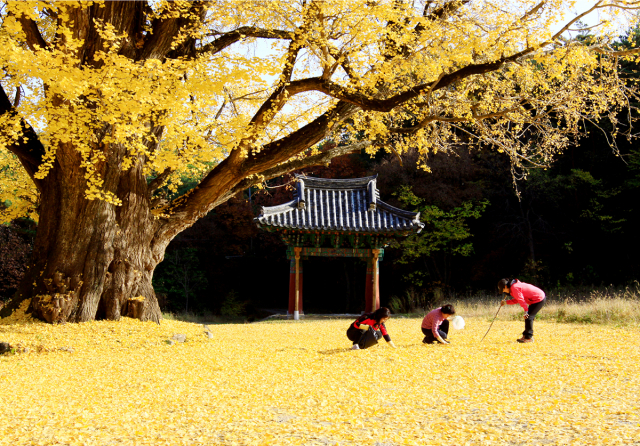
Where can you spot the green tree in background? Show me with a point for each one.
(568, 207)
(446, 234)
(180, 277)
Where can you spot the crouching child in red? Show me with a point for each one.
(374, 320)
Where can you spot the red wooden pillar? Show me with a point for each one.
(292, 283)
(372, 289)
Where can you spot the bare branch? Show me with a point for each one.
(16, 100)
(227, 39)
(583, 29)
(598, 5)
(224, 102)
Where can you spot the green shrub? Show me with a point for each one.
(231, 305)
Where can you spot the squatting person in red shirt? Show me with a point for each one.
(374, 320)
(530, 298)
(435, 325)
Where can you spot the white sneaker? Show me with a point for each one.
(355, 347)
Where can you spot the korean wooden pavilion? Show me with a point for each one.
(337, 218)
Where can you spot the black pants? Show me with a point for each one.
(528, 323)
(354, 334)
(443, 331)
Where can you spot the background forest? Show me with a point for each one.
(568, 228)
(573, 228)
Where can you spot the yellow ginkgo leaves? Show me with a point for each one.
(284, 383)
(126, 84)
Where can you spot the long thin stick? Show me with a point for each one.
(494, 319)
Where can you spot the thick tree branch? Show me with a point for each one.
(430, 119)
(444, 11)
(159, 180)
(533, 11)
(188, 208)
(34, 38)
(158, 43)
(227, 39)
(385, 105)
(28, 149)
(608, 52)
(279, 97)
(388, 104)
(185, 210)
(16, 100)
(320, 159)
(276, 101)
(282, 149)
(441, 13)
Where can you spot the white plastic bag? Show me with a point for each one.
(457, 322)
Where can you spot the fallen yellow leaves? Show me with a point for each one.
(287, 383)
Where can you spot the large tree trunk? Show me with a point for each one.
(92, 259)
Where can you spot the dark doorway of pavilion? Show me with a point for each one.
(334, 285)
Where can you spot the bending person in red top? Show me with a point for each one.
(530, 298)
(374, 320)
(435, 325)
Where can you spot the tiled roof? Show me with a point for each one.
(343, 205)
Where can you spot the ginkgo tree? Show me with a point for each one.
(105, 104)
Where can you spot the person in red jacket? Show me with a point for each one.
(530, 298)
(374, 320)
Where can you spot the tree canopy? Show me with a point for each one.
(113, 100)
(90, 75)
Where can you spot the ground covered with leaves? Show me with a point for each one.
(122, 383)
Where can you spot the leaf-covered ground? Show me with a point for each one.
(120, 383)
